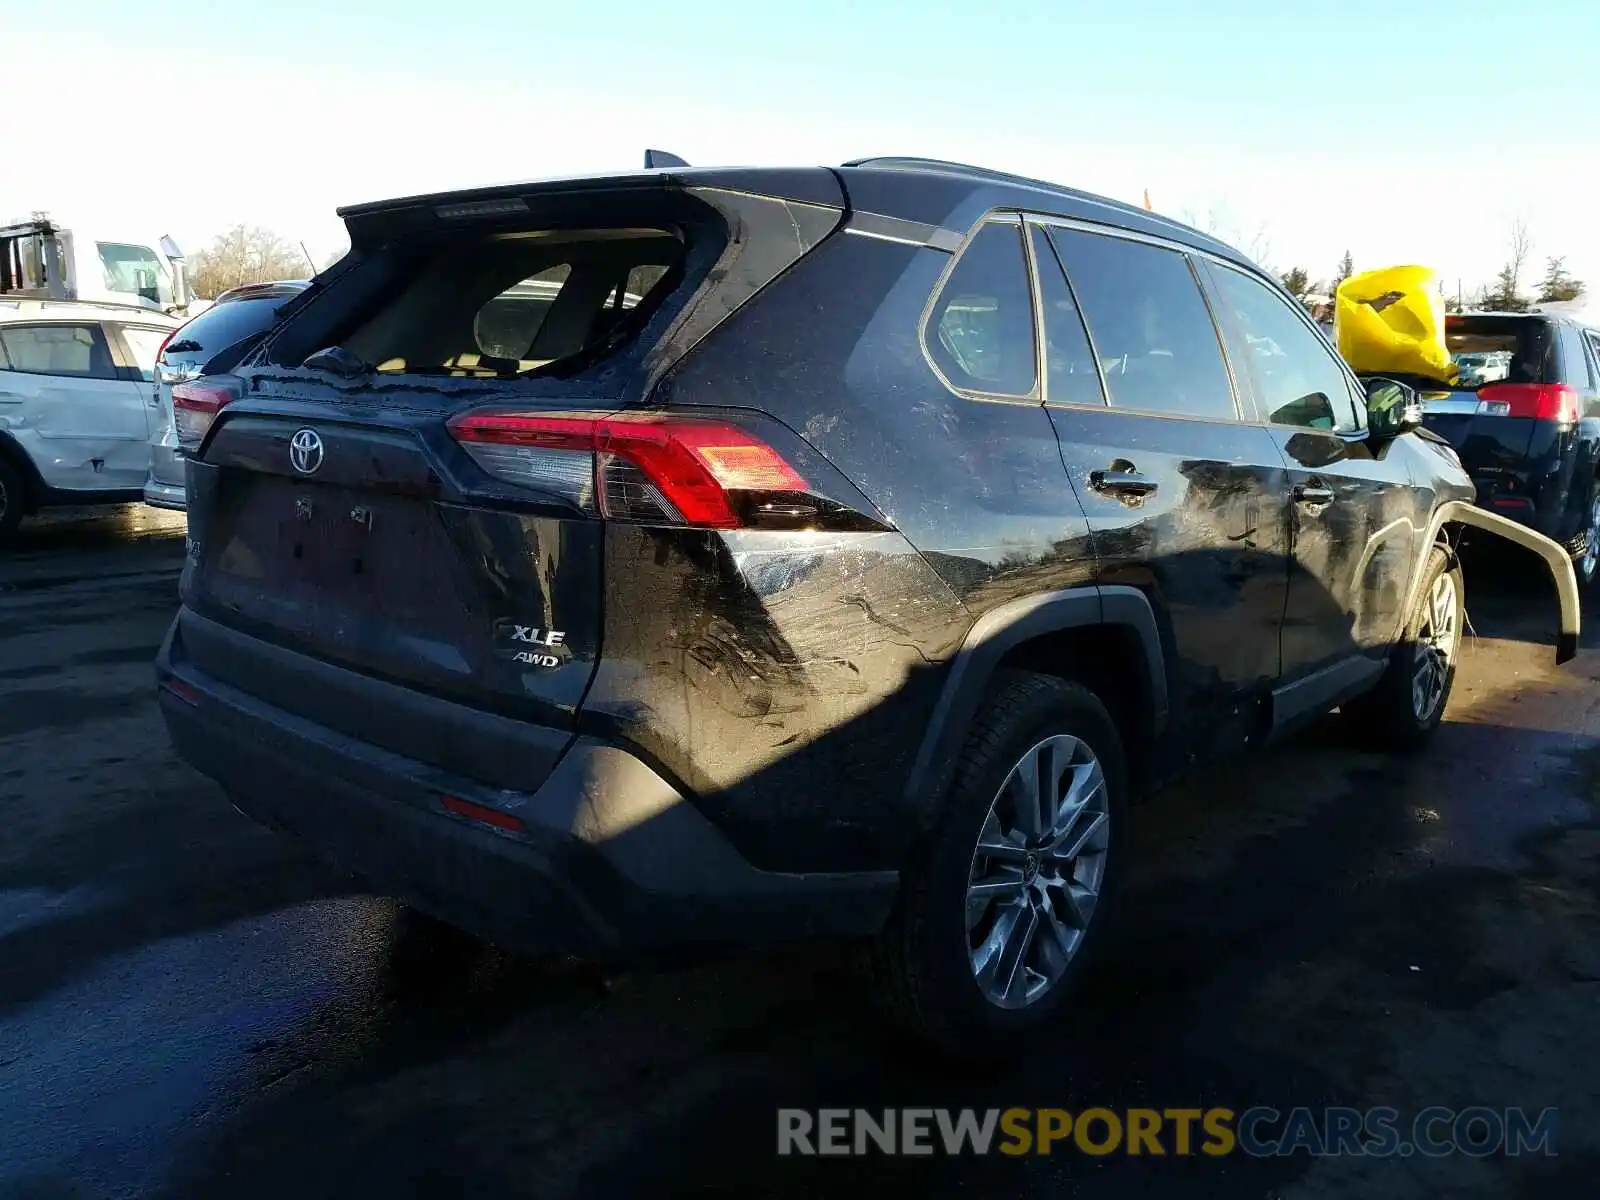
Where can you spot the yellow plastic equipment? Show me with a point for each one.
(1391, 321)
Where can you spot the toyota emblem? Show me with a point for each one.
(305, 451)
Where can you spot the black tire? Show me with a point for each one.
(1387, 717)
(921, 968)
(13, 499)
(1584, 564)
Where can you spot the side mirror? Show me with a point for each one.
(182, 296)
(1392, 409)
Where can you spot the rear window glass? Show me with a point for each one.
(515, 304)
(1499, 349)
(222, 325)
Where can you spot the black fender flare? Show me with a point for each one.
(1000, 630)
(1554, 554)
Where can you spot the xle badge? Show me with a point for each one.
(532, 636)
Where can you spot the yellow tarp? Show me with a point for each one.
(1391, 321)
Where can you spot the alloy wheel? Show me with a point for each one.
(1435, 647)
(1037, 871)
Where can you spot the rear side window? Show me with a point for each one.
(511, 305)
(143, 343)
(1575, 367)
(72, 350)
(220, 326)
(1152, 331)
(1495, 349)
(980, 332)
(1298, 381)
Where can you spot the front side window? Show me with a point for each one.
(71, 350)
(981, 330)
(1297, 378)
(133, 269)
(1152, 332)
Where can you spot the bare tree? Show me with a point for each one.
(1505, 293)
(1223, 226)
(1521, 247)
(245, 254)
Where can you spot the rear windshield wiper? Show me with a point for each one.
(336, 360)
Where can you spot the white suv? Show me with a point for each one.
(76, 411)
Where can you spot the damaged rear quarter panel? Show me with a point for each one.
(785, 679)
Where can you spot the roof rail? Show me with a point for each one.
(17, 299)
(896, 162)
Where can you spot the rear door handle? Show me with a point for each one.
(1313, 493)
(1126, 485)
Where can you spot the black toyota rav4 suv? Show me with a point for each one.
(705, 558)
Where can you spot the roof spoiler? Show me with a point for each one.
(660, 158)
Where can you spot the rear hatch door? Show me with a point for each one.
(335, 514)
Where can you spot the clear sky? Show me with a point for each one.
(1411, 131)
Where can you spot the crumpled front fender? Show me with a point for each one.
(1461, 512)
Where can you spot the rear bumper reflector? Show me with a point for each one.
(180, 689)
(482, 814)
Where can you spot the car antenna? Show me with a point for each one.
(660, 158)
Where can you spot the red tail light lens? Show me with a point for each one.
(1541, 401)
(195, 406)
(641, 467)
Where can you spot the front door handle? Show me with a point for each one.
(1126, 485)
(1313, 493)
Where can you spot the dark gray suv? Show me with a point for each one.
(706, 558)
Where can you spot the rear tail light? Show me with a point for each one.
(651, 467)
(195, 406)
(1541, 401)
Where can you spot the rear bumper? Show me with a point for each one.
(165, 495)
(1526, 497)
(164, 487)
(609, 862)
